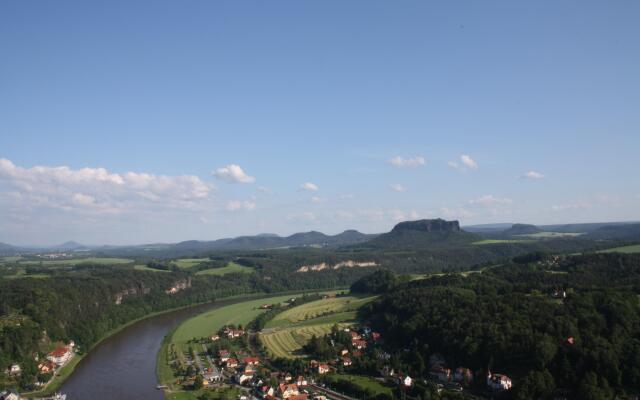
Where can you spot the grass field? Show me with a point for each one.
(145, 268)
(286, 343)
(499, 241)
(365, 383)
(230, 268)
(634, 248)
(76, 261)
(206, 323)
(546, 235)
(316, 309)
(184, 263)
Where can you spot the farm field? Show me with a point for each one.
(230, 268)
(211, 321)
(285, 343)
(546, 235)
(634, 248)
(317, 309)
(184, 263)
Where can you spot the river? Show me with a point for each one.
(123, 366)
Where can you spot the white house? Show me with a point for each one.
(60, 355)
(498, 382)
(14, 369)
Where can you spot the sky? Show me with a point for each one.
(127, 122)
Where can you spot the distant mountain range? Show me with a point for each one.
(427, 233)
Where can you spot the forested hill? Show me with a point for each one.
(515, 319)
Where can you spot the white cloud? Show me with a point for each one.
(317, 199)
(532, 175)
(466, 162)
(489, 200)
(396, 187)
(233, 173)
(237, 205)
(409, 162)
(101, 191)
(310, 187)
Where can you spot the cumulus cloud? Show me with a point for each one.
(409, 162)
(318, 199)
(309, 187)
(396, 187)
(532, 175)
(233, 173)
(238, 205)
(465, 163)
(490, 200)
(96, 189)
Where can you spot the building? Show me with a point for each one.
(9, 395)
(215, 337)
(60, 355)
(359, 344)
(14, 369)
(405, 380)
(46, 367)
(224, 355)
(251, 360)
(287, 390)
(301, 381)
(346, 361)
(245, 377)
(323, 368)
(232, 363)
(498, 382)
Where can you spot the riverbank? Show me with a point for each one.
(67, 371)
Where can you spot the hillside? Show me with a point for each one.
(521, 229)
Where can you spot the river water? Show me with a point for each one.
(123, 366)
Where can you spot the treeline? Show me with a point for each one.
(568, 327)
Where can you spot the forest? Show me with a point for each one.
(558, 326)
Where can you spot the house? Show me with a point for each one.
(359, 344)
(440, 373)
(319, 397)
(60, 355)
(232, 363)
(267, 391)
(301, 396)
(346, 361)
(14, 369)
(375, 336)
(213, 375)
(344, 352)
(462, 375)
(224, 355)
(301, 381)
(215, 337)
(251, 360)
(235, 333)
(498, 382)
(355, 335)
(9, 395)
(244, 377)
(46, 367)
(323, 368)
(405, 380)
(287, 390)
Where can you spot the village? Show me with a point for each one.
(232, 358)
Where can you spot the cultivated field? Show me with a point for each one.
(316, 309)
(184, 263)
(286, 343)
(230, 268)
(634, 248)
(206, 323)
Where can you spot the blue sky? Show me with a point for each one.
(114, 116)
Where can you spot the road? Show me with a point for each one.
(330, 393)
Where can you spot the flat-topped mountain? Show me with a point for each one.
(423, 234)
(522, 229)
(427, 225)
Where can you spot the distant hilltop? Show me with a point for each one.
(427, 225)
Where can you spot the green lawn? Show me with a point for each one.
(205, 324)
(365, 383)
(230, 268)
(145, 268)
(76, 261)
(634, 248)
(499, 241)
(324, 308)
(183, 263)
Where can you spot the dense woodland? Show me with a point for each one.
(514, 319)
